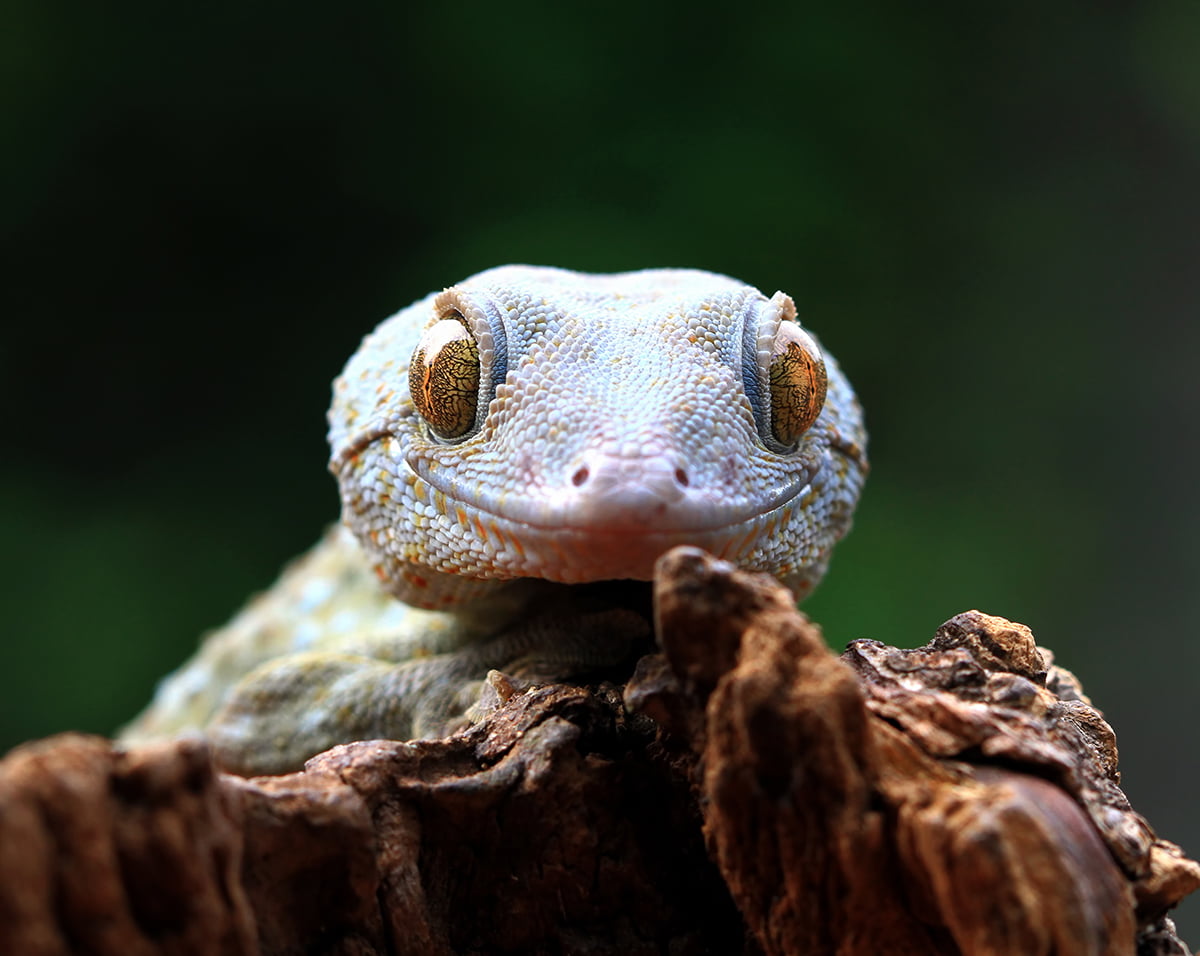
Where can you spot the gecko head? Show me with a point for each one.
(538, 423)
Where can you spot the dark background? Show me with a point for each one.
(987, 212)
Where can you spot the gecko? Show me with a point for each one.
(513, 454)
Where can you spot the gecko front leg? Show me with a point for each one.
(290, 709)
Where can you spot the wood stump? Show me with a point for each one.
(747, 791)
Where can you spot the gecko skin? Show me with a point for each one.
(500, 446)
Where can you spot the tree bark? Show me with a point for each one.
(746, 791)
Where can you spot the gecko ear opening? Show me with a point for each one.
(444, 377)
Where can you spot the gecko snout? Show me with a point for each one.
(625, 486)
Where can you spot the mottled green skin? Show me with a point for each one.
(617, 416)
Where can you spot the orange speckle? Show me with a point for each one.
(415, 580)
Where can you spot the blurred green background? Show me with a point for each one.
(987, 212)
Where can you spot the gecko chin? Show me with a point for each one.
(578, 557)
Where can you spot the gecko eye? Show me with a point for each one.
(797, 380)
(783, 373)
(443, 377)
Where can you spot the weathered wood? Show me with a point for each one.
(746, 791)
(960, 797)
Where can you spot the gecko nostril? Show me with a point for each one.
(580, 477)
(681, 478)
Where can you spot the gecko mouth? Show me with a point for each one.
(562, 539)
(649, 499)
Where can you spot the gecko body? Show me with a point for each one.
(501, 447)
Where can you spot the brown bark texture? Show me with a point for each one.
(747, 791)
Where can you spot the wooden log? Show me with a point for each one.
(746, 791)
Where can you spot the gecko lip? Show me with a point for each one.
(648, 498)
(545, 545)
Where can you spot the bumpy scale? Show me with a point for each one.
(499, 446)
